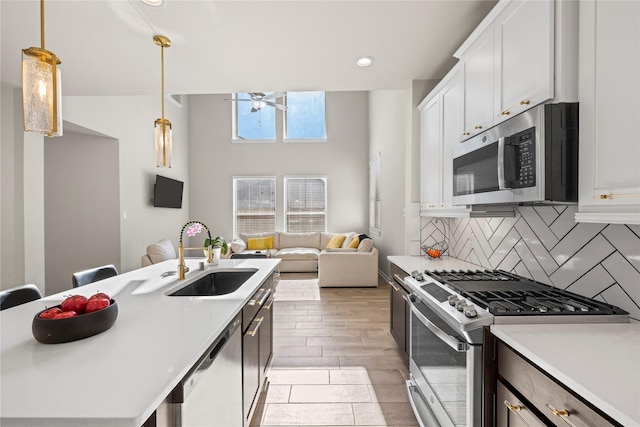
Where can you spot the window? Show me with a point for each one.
(305, 204)
(374, 195)
(254, 205)
(305, 116)
(304, 119)
(257, 125)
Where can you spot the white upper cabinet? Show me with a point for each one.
(441, 118)
(478, 86)
(430, 154)
(524, 57)
(510, 61)
(451, 97)
(609, 94)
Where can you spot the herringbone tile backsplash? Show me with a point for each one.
(544, 243)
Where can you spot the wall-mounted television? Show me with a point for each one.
(167, 193)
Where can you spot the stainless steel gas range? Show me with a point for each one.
(448, 312)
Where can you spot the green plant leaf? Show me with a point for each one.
(217, 242)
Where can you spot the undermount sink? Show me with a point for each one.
(219, 282)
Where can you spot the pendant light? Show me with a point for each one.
(162, 128)
(41, 88)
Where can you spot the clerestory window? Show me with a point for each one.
(304, 119)
(251, 122)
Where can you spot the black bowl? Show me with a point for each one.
(56, 331)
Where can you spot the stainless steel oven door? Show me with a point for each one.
(445, 372)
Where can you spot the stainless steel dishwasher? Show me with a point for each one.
(212, 391)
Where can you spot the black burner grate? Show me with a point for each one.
(503, 293)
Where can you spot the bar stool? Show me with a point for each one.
(91, 275)
(19, 295)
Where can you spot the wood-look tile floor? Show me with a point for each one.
(334, 360)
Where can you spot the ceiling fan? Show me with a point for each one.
(259, 100)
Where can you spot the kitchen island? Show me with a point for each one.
(118, 377)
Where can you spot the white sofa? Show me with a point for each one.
(157, 252)
(308, 252)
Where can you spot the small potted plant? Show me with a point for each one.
(219, 246)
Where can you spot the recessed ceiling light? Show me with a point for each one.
(153, 2)
(365, 61)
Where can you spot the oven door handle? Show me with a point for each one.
(453, 342)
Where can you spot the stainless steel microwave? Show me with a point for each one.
(532, 157)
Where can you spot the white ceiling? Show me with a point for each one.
(106, 46)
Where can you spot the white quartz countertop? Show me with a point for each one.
(118, 377)
(421, 263)
(600, 362)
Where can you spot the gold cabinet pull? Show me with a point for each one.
(478, 127)
(515, 409)
(562, 413)
(525, 102)
(616, 196)
(269, 302)
(466, 133)
(255, 330)
(505, 113)
(512, 407)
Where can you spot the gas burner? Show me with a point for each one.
(502, 293)
(454, 276)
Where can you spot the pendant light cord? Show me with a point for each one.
(162, 60)
(42, 24)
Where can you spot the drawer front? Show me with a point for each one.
(256, 302)
(512, 412)
(397, 275)
(544, 393)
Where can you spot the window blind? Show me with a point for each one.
(255, 205)
(374, 193)
(305, 204)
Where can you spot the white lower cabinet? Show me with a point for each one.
(609, 92)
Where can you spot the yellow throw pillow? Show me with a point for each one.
(336, 241)
(354, 242)
(258, 243)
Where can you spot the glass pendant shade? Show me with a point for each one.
(163, 143)
(41, 92)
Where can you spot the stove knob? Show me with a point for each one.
(453, 299)
(470, 311)
(460, 305)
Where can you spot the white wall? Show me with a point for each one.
(390, 135)
(82, 206)
(215, 160)
(130, 120)
(21, 187)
